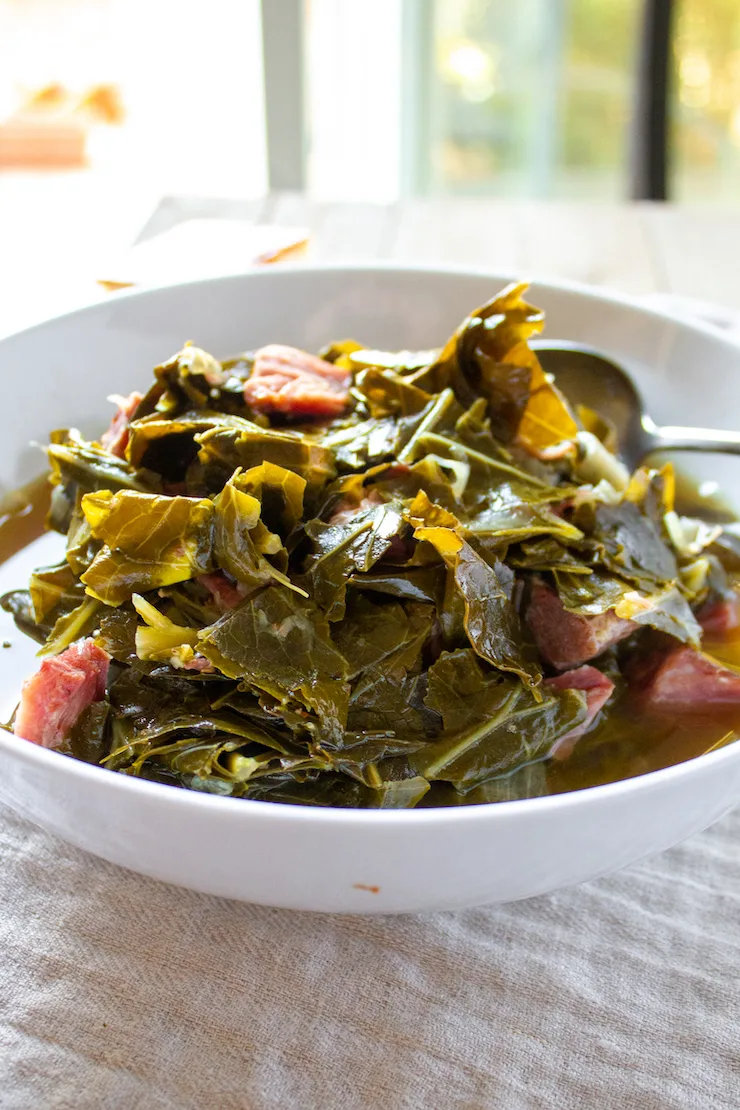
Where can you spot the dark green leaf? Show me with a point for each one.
(90, 737)
(74, 460)
(117, 634)
(491, 621)
(492, 725)
(242, 545)
(188, 378)
(280, 643)
(357, 446)
(628, 543)
(371, 632)
(168, 445)
(391, 702)
(18, 603)
(347, 548)
(407, 583)
(224, 450)
(388, 394)
(53, 588)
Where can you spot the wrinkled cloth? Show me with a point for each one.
(120, 992)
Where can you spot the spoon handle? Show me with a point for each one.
(670, 438)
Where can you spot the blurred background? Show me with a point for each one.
(108, 105)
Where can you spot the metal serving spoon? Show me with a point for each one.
(589, 378)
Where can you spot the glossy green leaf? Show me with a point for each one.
(389, 394)
(491, 722)
(150, 541)
(491, 621)
(242, 545)
(341, 550)
(168, 444)
(280, 643)
(224, 450)
(74, 460)
(189, 378)
(54, 587)
(72, 626)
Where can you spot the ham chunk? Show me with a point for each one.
(685, 681)
(567, 639)
(346, 509)
(224, 592)
(721, 617)
(53, 699)
(598, 689)
(115, 438)
(199, 663)
(291, 382)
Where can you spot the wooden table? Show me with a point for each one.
(54, 240)
(636, 248)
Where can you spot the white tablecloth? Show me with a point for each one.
(120, 992)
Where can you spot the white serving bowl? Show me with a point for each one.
(59, 373)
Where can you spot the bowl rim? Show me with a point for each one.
(35, 757)
(276, 271)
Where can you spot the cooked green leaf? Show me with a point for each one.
(280, 643)
(491, 621)
(372, 632)
(388, 394)
(242, 545)
(280, 493)
(343, 549)
(189, 378)
(150, 541)
(407, 583)
(224, 450)
(73, 459)
(491, 722)
(72, 626)
(52, 588)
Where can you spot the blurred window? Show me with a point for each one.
(705, 136)
(526, 99)
(532, 98)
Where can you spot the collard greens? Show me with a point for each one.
(333, 611)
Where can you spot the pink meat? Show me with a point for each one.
(566, 639)
(720, 617)
(294, 383)
(598, 689)
(347, 509)
(199, 663)
(224, 592)
(115, 438)
(53, 699)
(685, 681)
(175, 489)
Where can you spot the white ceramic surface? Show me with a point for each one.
(60, 372)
